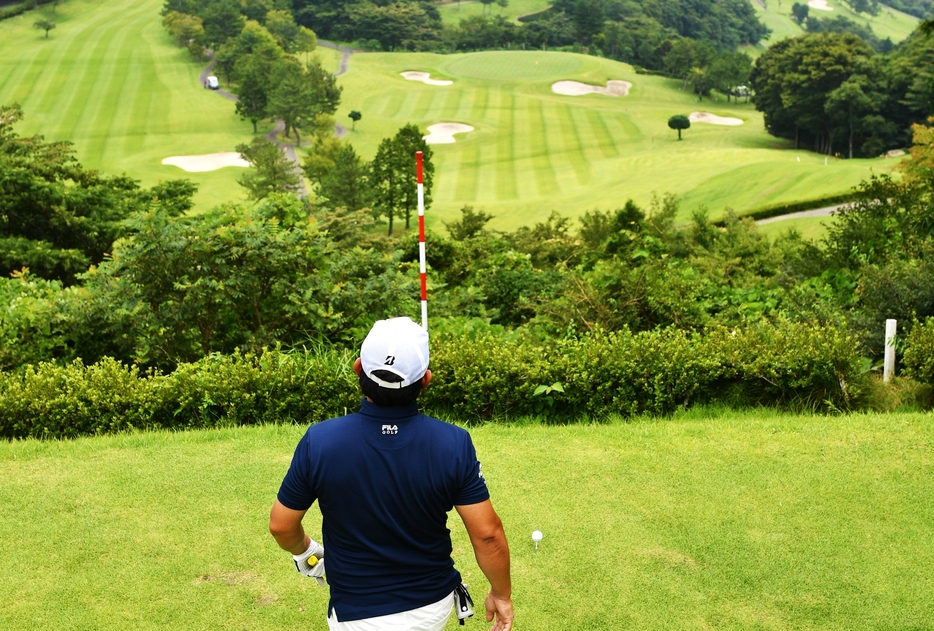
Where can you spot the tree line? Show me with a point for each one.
(832, 93)
(141, 280)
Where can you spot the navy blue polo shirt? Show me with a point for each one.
(385, 479)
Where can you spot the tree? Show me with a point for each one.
(183, 27)
(252, 95)
(274, 172)
(44, 25)
(487, 4)
(322, 154)
(588, 20)
(851, 103)
(306, 41)
(799, 12)
(354, 116)
(394, 177)
(283, 28)
(56, 217)
(299, 94)
(346, 184)
(679, 122)
(729, 70)
(222, 21)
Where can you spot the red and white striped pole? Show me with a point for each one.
(421, 239)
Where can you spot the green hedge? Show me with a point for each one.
(475, 379)
(919, 352)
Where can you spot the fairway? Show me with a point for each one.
(109, 80)
(708, 520)
(534, 151)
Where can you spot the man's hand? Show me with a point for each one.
(311, 562)
(501, 610)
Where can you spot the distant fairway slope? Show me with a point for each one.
(109, 80)
(534, 151)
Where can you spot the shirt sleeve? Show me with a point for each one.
(297, 489)
(473, 487)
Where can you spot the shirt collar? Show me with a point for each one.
(370, 409)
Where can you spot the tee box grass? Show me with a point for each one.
(708, 520)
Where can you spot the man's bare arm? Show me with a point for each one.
(285, 525)
(492, 552)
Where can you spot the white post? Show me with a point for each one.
(889, 365)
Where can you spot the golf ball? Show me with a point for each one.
(312, 560)
(537, 535)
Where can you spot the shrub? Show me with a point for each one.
(919, 352)
(477, 378)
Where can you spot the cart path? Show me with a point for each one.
(816, 212)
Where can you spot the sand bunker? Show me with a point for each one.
(713, 119)
(423, 77)
(443, 133)
(576, 88)
(207, 162)
(820, 5)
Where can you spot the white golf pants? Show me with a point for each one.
(431, 617)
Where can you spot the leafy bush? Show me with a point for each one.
(919, 352)
(477, 377)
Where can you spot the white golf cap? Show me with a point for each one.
(399, 346)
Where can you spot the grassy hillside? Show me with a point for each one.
(533, 151)
(776, 14)
(738, 521)
(453, 12)
(109, 80)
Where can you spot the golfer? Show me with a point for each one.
(385, 479)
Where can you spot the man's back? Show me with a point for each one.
(385, 479)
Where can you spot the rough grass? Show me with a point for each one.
(534, 151)
(711, 519)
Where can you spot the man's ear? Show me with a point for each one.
(358, 366)
(426, 379)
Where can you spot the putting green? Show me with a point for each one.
(534, 151)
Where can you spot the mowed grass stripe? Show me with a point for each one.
(542, 170)
(20, 90)
(452, 103)
(392, 105)
(468, 174)
(604, 141)
(480, 98)
(149, 116)
(99, 67)
(64, 73)
(505, 148)
(573, 150)
(422, 107)
(101, 108)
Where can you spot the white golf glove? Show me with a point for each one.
(311, 562)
